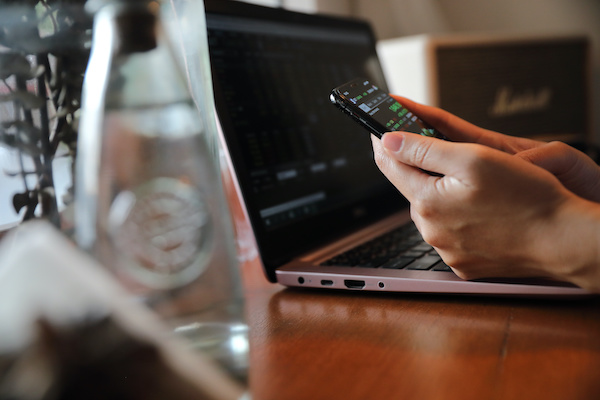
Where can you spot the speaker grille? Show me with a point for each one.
(526, 89)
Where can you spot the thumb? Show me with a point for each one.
(575, 170)
(430, 154)
(552, 157)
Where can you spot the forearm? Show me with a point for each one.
(570, 246)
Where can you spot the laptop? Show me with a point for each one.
(320, 210)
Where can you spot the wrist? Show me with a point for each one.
(571, 245)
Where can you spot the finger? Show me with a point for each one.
(409, 180)
(426, 153)
(455, 128)
(459, 130)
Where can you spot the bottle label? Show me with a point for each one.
(163, 232)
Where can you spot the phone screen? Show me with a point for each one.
(377, 110)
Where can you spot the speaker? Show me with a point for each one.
(536, 87)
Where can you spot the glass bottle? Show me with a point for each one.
(149, 199)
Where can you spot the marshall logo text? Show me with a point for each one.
(508, 102)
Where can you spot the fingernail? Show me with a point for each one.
(392, 142)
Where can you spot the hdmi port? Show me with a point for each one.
(354, 284)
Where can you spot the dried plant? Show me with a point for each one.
(44, 49)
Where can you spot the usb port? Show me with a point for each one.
(354, 284)
(326, 282)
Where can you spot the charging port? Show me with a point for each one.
(326, 282)
(354, 284)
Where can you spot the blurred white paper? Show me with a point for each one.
(43, 274)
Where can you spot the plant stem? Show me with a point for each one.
(46, 179)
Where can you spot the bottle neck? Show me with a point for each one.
(140, 68)
(135, 30)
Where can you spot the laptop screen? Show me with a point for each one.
(305, 170)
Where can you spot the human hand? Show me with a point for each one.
(487, 212)
(575, 170)
(459, 130)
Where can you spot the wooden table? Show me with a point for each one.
(310, 344)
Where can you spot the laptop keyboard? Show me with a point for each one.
(402, 248)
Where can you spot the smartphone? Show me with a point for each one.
(377, 111)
